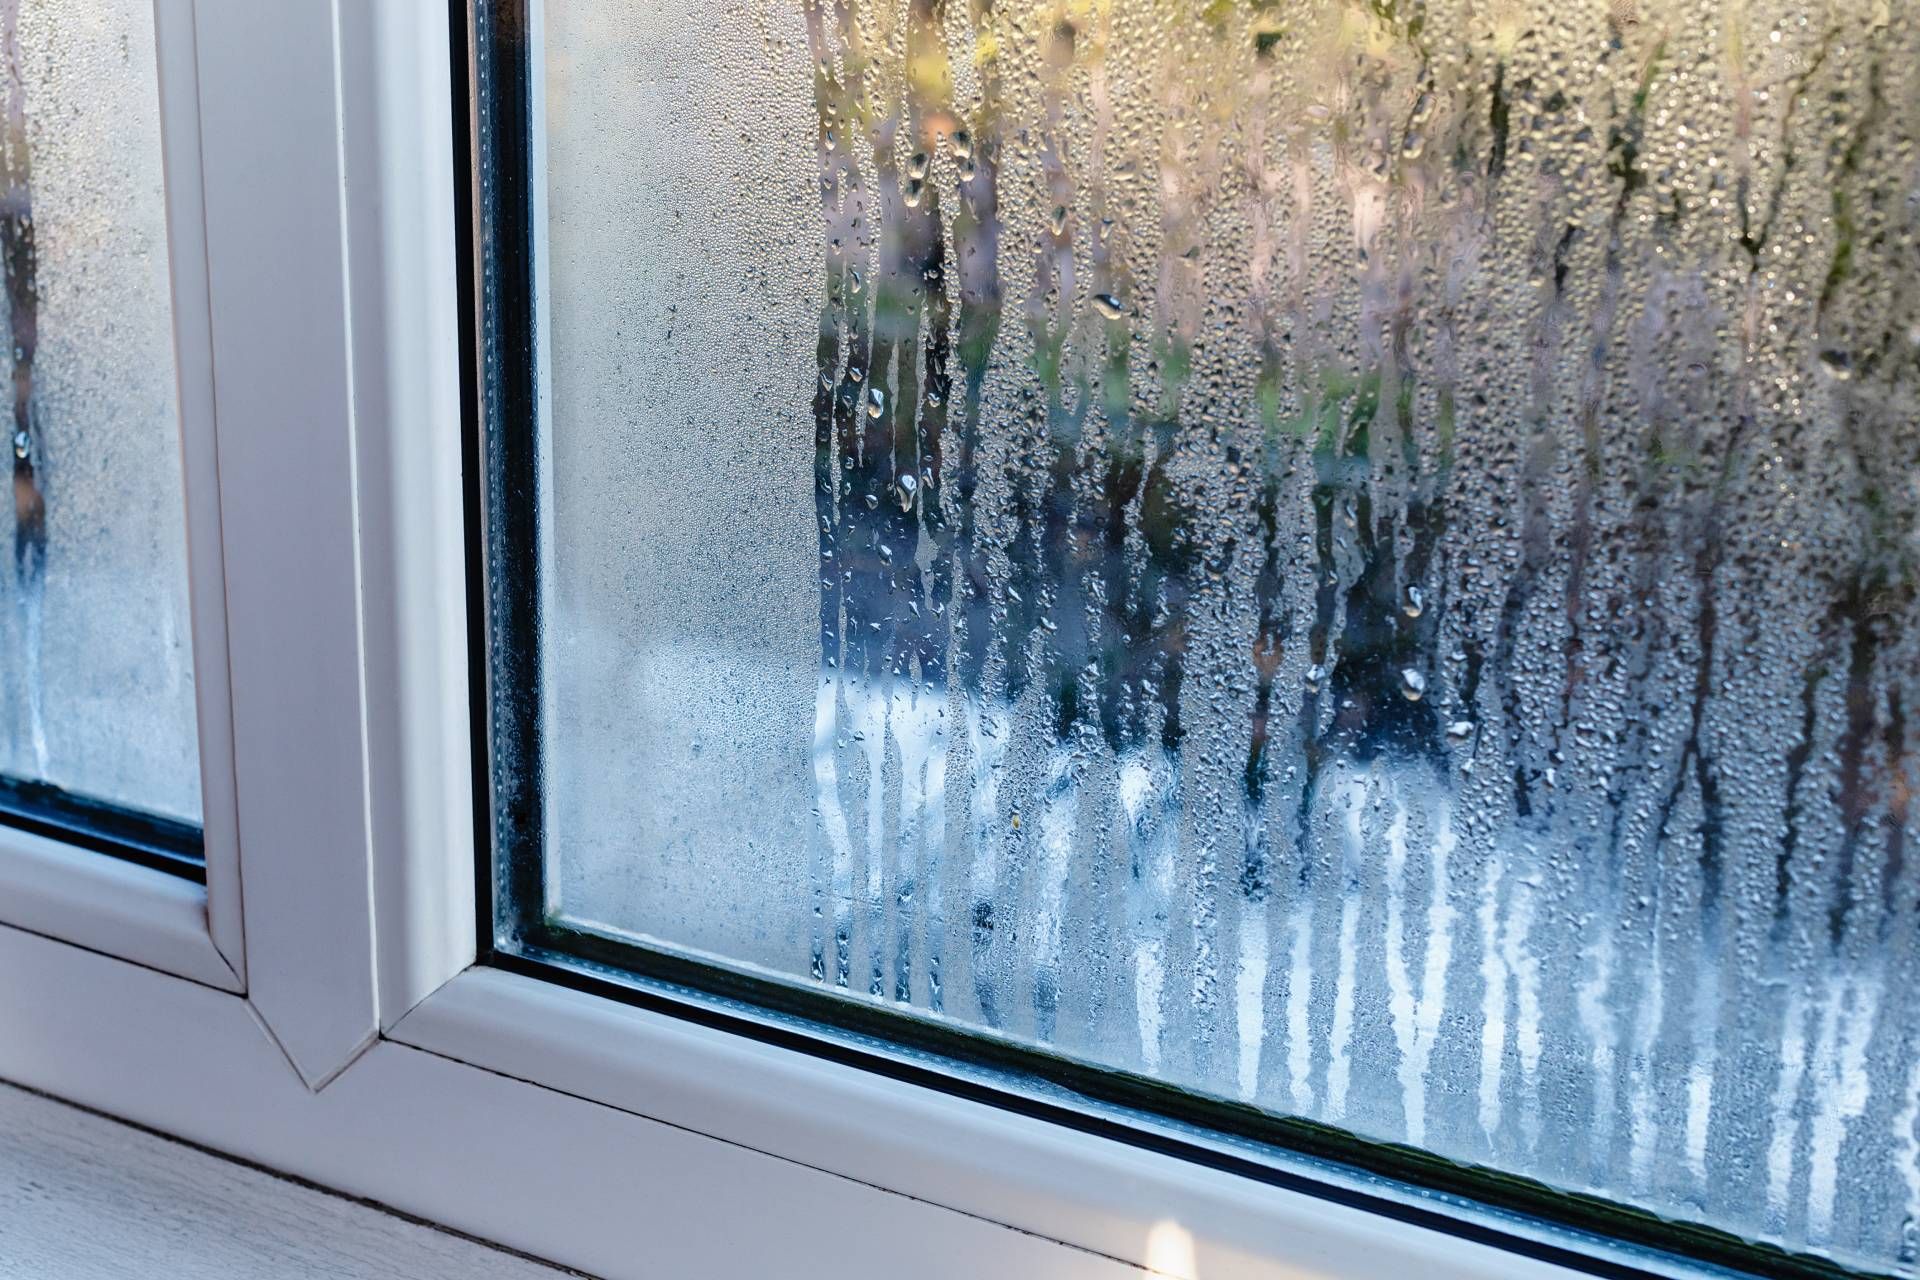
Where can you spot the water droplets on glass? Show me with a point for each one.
(1357, 558)
(96, 696)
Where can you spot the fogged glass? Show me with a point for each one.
(1360, 558)
(96, 673)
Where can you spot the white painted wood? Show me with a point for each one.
(555, 1176)
(397, 117)
(109, 905)
(206, 570)
(86, 1198)
(282, 358)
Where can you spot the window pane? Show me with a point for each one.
(1359, 559)
(96, 696)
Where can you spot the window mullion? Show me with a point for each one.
(282, 396)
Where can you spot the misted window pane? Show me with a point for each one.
(96, 690)
(1359, 558)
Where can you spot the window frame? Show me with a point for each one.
(351, 1033)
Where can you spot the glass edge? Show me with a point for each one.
(132, 835)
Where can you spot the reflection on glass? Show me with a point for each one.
(96, 684)
(1356, 557)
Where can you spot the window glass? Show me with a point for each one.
(1354, 558)
(96, 678)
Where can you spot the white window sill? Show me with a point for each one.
(83, 1197)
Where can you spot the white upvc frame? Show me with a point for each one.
(347, 1036)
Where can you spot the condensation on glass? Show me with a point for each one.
(96, 680)
(1355, 557)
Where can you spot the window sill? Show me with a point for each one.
(83, 1197)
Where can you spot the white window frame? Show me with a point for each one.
(345, 1035)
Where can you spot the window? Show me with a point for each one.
(1318, 574)
(1067, 639)
(99, 706)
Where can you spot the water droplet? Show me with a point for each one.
(855, 372)
(1460, 730)
(907, 486)
(853, 279)
(22, 445)
(917, 166)
(962, 143)
(1414, 602)
(915, 190)
(1059, 220)
(1838, 364)
(967, 169)
(1109, 306)
(1316, 675)
(1412, 684)
(876, 402)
